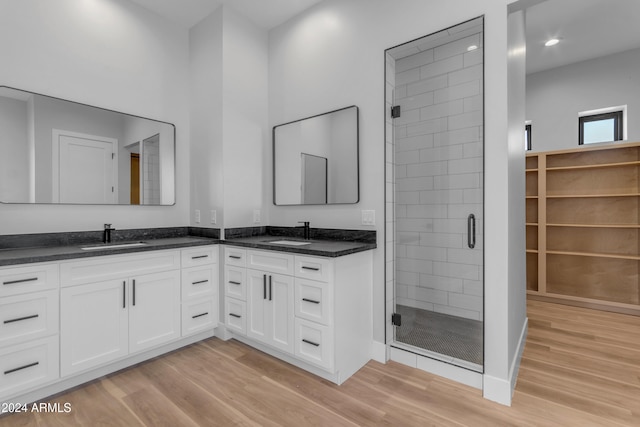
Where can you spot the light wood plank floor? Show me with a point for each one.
(580, 368)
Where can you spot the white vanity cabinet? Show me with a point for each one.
(117, 305)
(314, 312)
(29, 305)
(199, 289)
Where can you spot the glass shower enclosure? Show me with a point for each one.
(435, 194)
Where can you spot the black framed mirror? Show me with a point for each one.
(315, 159)
(62, 152)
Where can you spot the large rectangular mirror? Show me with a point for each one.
(58, 151)
(315, 160)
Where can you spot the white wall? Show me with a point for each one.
(108, 53)
(332, 56)
(555, 97)
(229, 119)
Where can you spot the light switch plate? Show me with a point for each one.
(368, 217)
(256, 216)
(214, 217)
(197, 216)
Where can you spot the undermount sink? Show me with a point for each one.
(289, 242)
(113, 246)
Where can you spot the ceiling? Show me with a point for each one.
(586, 28)
(264, 13)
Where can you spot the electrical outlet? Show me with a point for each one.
(214, 217)
(368, 217)
(197, 216)
(256, 216)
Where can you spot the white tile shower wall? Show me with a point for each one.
(438, 167)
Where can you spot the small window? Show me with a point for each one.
(527, 137)
(602, 127)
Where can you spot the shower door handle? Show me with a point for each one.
(471, 231)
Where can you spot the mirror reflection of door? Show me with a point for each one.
(135, 179)
(83, 168)
(314, 179)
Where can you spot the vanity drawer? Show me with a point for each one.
(108, 267)
(33, 278)
(198, 316)
(235, 315)
(313, 301)
(235, 256)
(313, 268)
(235, 282)
(314, 343)
(199, 255)
(199, 281)
(29, 365)
(273, 262)
(29, 316)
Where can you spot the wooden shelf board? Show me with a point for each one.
(532, 251)
(595, 255)
(531, 224)
(532, 197)
(586, 196)
(531, 170)
(633, 226)
(594, 166)
(617, 307)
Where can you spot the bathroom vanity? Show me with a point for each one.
(306, 302)
(70, 315)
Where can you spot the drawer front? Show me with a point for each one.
(32, 278)
(314, 343)
(29, 316)
(313, 301)
(235, 282)
(235, 256)
(273, 262)
(25, 366)
(313, 268)
(116, 266)
(200, 255)
(235, 315)
(199, 281)
(199, 316)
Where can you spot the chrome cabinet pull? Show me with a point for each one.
(33, 316)
(13, 282)
(471, 231)
(10, 371)
(312, 301)
(315, 344)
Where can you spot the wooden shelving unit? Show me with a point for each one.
(583, 226)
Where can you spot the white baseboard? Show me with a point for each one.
(379, 352)
(501, 390)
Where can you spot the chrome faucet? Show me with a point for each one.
(106, 234)
(306, 229)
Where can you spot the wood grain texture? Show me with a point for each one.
(580, 367)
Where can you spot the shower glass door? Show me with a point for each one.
(436, 86)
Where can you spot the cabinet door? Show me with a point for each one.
(154, 310)
(93, 325)
(270, 309)
(280, 311)
(256, 305)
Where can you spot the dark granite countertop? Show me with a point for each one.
(26, 255)
(326, 248)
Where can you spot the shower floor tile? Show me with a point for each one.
(441, 333)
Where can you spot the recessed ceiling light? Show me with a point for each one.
(551, 42)
(472, 47)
